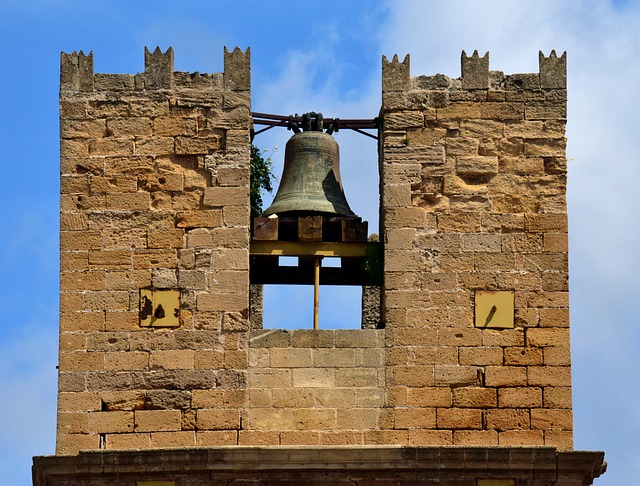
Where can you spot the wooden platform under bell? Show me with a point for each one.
(308, 238)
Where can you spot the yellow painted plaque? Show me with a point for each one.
(494, 309)
(159, 308)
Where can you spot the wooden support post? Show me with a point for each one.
(316, 291)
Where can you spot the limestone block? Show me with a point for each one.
(397, 195)
(126, 361)
(475, 166)
(557, 397)
(154, 258)
(549, 376)
(521, 437)
(481, 242)
(75, 185)
(157, 420)
(165, 238)
(313, 377)
(563, 440)
(557, 356)
(356, 377)
(548, 337)
(74, 148)
(173, 439)
(216, 301)
(429, 396)
(172, 126)
(546, 111)
(502, 111)
(380, 437)
(507, 419)
(403, 120)
(110, 146)
(128, 441)
(300, 438)
(415, 418)
(459, 418)
(413, 375)
(204, 145)
(270, 378)
(460, 337)
(172, 359)
(291, 358)
(456, 375)
(199, 219)
(459, 111)
(258, 437)
(475, 437)
(111, 422)
(524, 397)
(555, 242)
(129, 201)
(207, 438)
(522, 243)
(499, 376)
(405, 218)
(480, 356)
(82, 321)
(293, 397)
(72, 423)
(547, 222)
(164, 278)
(218, 419)
(520, 356)
(71, 444)
(154, 146)
(309, 338)
(359, 338)
(230, 237)
(549, 419)
(82, 129)
(443, 355)
(223, 196)
(70, 109)
(474, 397)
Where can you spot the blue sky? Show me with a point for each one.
(325, 56)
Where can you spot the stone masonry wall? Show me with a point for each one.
(155, 199)
(154, 195)
(473, 177)
(323, 387)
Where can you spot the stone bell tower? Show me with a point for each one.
(164, 382)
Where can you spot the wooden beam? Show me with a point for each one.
(294, 248)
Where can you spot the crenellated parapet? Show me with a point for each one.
(553, 70)
(76, 71)
(475, 71)
(158, 69)
(395, 74)
(77, 75)
(237, 69)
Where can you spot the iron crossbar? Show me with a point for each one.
(333, 124)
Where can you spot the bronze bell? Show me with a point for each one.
(310, 180)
